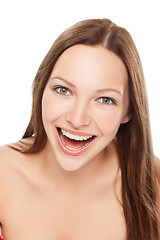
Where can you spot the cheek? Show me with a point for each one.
(50, 108)
(109, 122)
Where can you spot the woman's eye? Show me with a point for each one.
(106, 101)
(62, 91)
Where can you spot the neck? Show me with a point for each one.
(102, 169)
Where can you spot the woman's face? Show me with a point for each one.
(84, 102)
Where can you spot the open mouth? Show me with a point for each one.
(74, 144)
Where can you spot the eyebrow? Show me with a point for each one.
(64, 80)
(99, 91)
(110, 90)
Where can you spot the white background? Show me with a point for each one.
(27, 31)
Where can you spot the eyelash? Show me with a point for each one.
(59, 88)
(111, 101)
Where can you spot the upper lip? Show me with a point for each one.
(77, 133)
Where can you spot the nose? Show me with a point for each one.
(78, 115)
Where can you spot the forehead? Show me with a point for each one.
(91, 63)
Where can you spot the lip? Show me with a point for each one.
(75, 152)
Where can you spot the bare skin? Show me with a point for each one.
(35, 204)
(54, 194)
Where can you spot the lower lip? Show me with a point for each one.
(70, 152)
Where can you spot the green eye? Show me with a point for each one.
(62, 91)
(106, 101)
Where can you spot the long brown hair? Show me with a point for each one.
(135, 146)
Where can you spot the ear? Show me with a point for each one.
(126, 118)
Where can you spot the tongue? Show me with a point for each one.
(74, 143)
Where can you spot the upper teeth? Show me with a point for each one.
(75, 137)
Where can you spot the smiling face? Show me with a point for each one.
(84, 102)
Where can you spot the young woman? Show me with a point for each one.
(84, 168)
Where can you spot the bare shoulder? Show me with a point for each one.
(9, 155)
(6, 154)
(13, 169)
(8, 161)
(13, 160)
